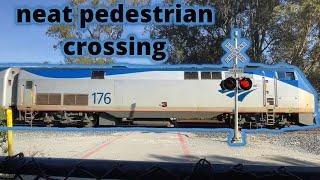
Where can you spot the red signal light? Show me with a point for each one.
(245, 84)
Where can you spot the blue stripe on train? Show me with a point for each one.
(62, 73)
(79, 73)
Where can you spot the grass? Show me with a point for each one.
(3, 141)
(2, 115)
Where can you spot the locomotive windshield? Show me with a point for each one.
(286, 75)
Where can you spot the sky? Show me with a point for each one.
(29, 43)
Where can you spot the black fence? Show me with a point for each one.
(20, 167)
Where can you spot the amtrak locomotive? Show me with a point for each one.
(269, 96)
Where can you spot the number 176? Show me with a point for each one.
(101, 98)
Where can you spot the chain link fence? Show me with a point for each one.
(21, 167)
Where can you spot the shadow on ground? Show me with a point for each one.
(215, 159)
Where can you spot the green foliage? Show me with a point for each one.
(202, 44)
(97, 32)
(2, 115)
(3, 134)
(297, 36)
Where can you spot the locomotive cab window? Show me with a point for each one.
(286, 75)
(97, 75)
(290, 76)
(191, 75)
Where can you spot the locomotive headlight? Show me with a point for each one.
(245, 84)
(228, 84)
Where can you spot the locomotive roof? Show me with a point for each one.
(161, 66)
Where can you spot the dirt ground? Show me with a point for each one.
(261, 149)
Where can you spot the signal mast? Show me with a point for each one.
(237, 136)
(236, 53)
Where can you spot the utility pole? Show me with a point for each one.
(237, 136)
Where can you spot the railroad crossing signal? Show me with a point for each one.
(230, 83)
(236, 48)
(245, 84)
(234, 52)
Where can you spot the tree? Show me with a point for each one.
(257, 24)
(96, 32)
(202, 44)
(297, 34)
(3, 134)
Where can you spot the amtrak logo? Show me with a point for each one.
(242, 93)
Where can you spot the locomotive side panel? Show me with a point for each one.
(117, 93)
(179, 98)
(65, 94)
(144, 93)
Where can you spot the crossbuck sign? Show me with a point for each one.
(234, 51)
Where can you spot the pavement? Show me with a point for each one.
(261, 149)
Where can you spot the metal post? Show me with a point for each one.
(237, 136)
(10, 133)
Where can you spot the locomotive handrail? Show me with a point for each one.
(34, 94)
(22, 95)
